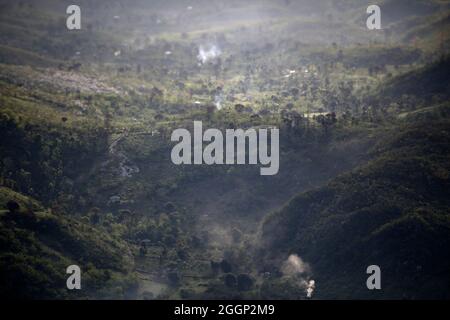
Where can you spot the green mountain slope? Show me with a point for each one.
(37, 246)
(391, 212)
(85, 123)
(425, 82)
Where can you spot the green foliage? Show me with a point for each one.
(37, 247)
(77, 107)
(391, 212)
(429, 81)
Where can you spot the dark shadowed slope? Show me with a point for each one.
(391, 212)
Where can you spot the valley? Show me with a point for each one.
(356, 171)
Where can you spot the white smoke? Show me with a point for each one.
(310, 288)
(295, 267)
(204, 55)
(218, 99)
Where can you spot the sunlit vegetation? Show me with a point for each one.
(85, 171)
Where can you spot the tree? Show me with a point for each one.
(142, 251)
(174, 279)
(215, 267)
(225, 266)
(169, 207)
(239, 108)
(95, 218)
(230, 280)
(244, 282)
(95, 215)
(210, 111)
(236, 234)
(12, 206)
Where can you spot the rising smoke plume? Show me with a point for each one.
(294, 266)
(204, 55)
(310, 288)
(218, 99)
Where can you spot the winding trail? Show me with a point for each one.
(127, 168)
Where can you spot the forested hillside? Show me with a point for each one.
(87, 179)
